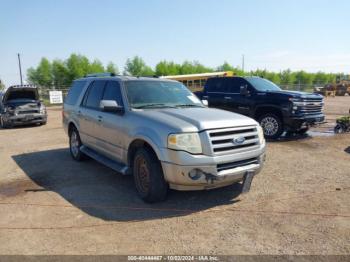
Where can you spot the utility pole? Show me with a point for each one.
(243, 63)
(20, 68)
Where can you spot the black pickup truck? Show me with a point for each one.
(275, 109)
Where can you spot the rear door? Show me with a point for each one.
(89, 114)
(215, 92)
(235, 101)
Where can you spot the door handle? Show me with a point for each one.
(204, 97)
(227, 97)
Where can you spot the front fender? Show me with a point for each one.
(153, 139)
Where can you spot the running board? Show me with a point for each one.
(124, 170)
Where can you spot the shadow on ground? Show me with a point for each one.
(101, 192)
(347, 150)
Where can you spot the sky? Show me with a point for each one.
(308, 35)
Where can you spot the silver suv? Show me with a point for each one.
(161, 133)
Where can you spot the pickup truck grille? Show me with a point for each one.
(232, 140)
(226, 166)
(311, 106)
(28, 112)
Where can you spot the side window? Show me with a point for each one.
(74, 92)
(112, 92)
(216, 85)
(95, 94)
(234, 85)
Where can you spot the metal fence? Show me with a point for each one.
(45, 93)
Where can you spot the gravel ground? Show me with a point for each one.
(50, 204)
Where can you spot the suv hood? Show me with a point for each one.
(296, 94)
(21, 93)
(197, 119)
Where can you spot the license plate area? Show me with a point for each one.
(28, 117)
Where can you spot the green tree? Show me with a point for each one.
(225, 67)
(194, 67)
(165, 68)
(96, 67)
(60, 74)
(2, 86)
(287, 77)
(42, 75)
(112, 68)
(77, 66)
(137, 67)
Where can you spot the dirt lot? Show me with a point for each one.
(49, 204)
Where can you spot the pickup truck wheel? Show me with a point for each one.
(148, 176)
(272, 125)
(74, 145)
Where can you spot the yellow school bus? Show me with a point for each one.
(196, 82)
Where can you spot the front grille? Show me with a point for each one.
(225, 140)
(28, 112)
(311, 106)
(226, 166)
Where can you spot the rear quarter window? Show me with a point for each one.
(74, 92)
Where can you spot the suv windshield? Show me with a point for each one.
(262, 84)
(159, 94)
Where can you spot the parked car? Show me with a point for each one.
(162, 134)
(20, 105)
(275, 109)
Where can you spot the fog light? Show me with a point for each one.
(195, 174)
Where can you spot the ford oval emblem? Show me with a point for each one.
(238, 140)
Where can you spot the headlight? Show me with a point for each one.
(189, 142)
(9, 110)
(261, 135)
(42, 109)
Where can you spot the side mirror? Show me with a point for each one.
(111, 106)
(244, 91)
(205, 102)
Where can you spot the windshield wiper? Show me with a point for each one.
(153, 105)
(188, 105)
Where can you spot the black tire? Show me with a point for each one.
(272, 125)
(338, 129)
(3, 124)
(75, 144)
(148, 176)
(302, 131)
(43, 123)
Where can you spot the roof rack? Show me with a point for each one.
(149, 76)
(23, 86)
(100, 74)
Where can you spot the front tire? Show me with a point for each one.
(3, 123)
(74, 145)
(148, 176)
(272, 125)
(338, 129)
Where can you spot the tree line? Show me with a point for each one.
(61, 73)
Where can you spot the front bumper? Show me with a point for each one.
(297, 122)
(211, 175)
(25, 119)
